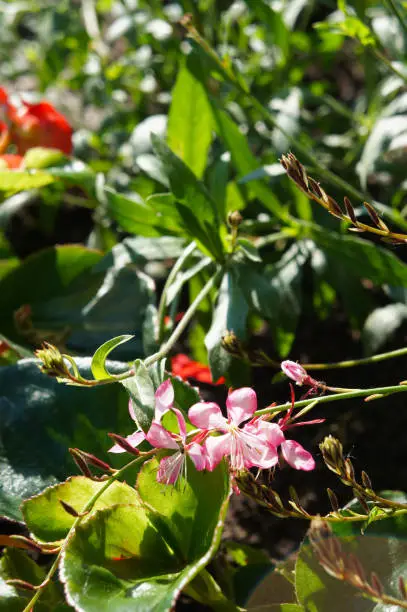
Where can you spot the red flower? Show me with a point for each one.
(12, 161)
(185, 368)
(34, 125)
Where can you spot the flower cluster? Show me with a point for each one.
(31, 125)
(245, 439)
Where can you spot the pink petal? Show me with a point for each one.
(197, 455)
(216, 448)
(164, 399)
(297, 456)
(206, 415)
(159, 437)
(133, 439)
(241, 404)
(249, 450)
(267, 432)
(170, 468)
(269, 458)
(181, 424)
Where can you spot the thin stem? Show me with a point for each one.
(171, 277)
(381, 56)
(186, 319)
(334, 398)
(393, 6)
(350, 363)
(86, 509)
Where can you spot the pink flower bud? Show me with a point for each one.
(295, 371)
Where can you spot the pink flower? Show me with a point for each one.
(174, 465)
(295, 371)
(164, 399)
(244, 448)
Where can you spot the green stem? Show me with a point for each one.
(350, 363)
(171, 277)
(334, 398)
(393, 7)
(86, 509)
(186, 319)
(388, 63)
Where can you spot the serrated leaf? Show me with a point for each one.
(49, 522)
(139, 563)
(99, 358)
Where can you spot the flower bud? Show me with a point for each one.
(234, 218)
(231, 343)
(295, 371)
(53, 362)
(332, 453)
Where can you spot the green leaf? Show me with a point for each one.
(14, 564)
(189, 131)
(41, 418)
(370, 261)
(249, 249)
(274, 292)
(243, 159)
(141, 390)
(194, 203)
(39, 157)
(14, 180)
(274, 585)
(395, 526)
(99, 358)
(147, 555)
(47, 519)
(317, 590)
(230, 314)
(132, 213)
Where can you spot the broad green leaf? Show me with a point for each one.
(194, 204)
(39, 157)
(147, 556)
(131, 213)
(230, 314)
(99, 358)
(141, 390)
(14, 180)
(189, 130)
(274, 292)
(186, 514)
(274, 585)
(72, 294)
(14, 564)
(317, 590)
(243, 159)
(370, 260)
(47, 519)
(381, 325)
(41, 418)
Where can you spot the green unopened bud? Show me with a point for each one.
(332, 453)
(53, 362)
(234, 218)
(231, 343)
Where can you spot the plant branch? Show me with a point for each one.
(374, 391)
(171, 277)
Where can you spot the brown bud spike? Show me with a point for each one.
(333, 500)
(376, 584)
(366, 480)
(402, 587)
(350, 210)
(82, 465)
(68, 508)
(375, 217)
(334, 208)
(124, 444)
